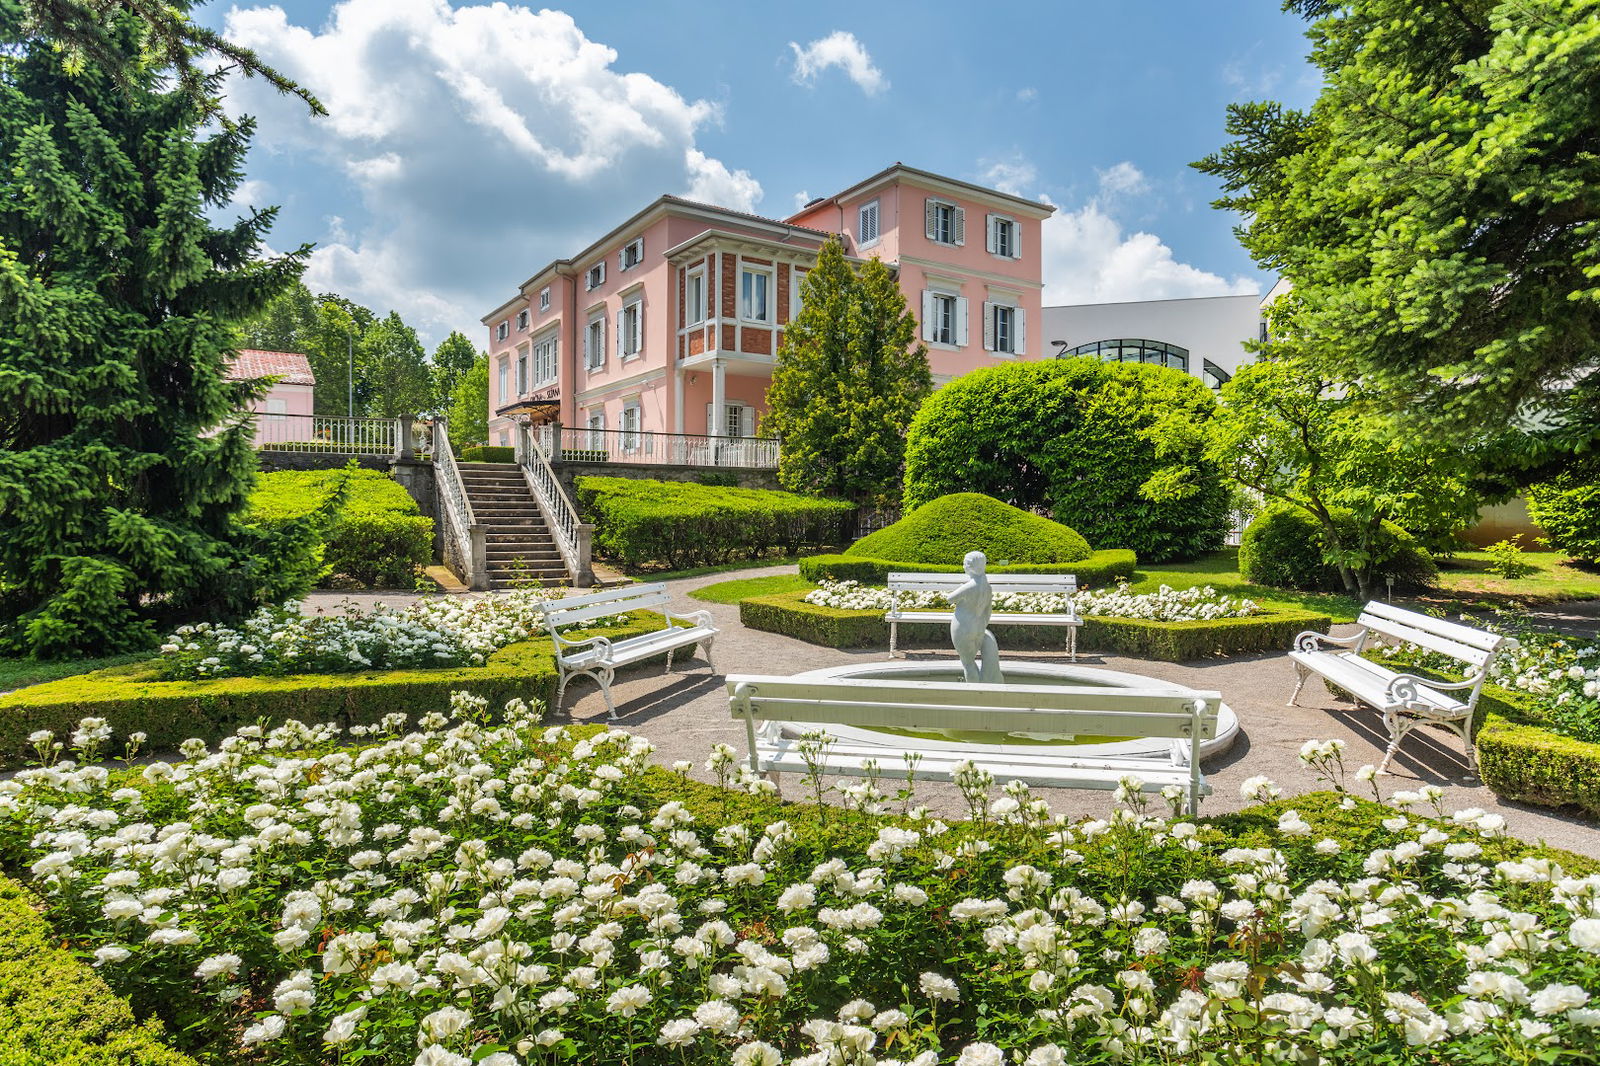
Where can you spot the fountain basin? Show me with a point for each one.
(895, 741)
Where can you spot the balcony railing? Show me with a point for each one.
(331, 434)
(657, 449)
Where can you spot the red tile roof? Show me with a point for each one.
(290, 368)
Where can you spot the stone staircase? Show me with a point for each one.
(518, 545)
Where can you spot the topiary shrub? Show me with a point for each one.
(1567, 507)
(1081, 440)
(1282, 547)
(379, 538)
(942, 531)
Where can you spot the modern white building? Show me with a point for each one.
(1204, 336)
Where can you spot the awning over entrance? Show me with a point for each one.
(536, 411)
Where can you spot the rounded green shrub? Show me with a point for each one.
(380, 537)
(1282, 547)
(1567, 508)
(1114, 450)
(943, 531)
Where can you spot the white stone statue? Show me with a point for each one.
(969, 629)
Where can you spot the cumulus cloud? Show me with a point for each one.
(839, 49)
(1015, 175)
(1089, 257)
(470, 147)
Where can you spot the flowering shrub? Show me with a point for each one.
(437, 632)
(1165, 605)
(463, 893)
(1562, 674)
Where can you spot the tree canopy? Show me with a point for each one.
(1435, 209)
(849, 377)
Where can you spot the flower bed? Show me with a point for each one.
(1201, 603)
(1100, 568)
(462, 893)
(790, 614)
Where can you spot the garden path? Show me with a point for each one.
(685, 714)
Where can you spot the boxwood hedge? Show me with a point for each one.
(380, 537)
(488, 453)
(788, 613)
(1100, 568)
(55, 1010)
(133, 699)
(640, 522)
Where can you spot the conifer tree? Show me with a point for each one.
(850, 376)
(124, 461)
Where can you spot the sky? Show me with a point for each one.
(468, 144)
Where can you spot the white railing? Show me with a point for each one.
(335, 434)
(574, 538)
(465, 535)
(659, 449)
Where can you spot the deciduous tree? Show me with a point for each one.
(469, 409)
(454, 357)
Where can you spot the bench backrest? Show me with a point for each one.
(1475, 647)
(929, 705)
(1006, 584)
(575, 609)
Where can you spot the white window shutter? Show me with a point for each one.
(989, 233)
(927, 315)
(960, 224)
(622, 258)
(1019, 326)
(602, 340)
(988, 326)
(961, 321)
(930, 218)
(747, 421)
(602, 271)
(638, 327)
(621, 331)
(1016, 240)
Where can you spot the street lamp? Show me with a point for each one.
(350, 395)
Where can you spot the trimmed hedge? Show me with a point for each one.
(487, 453)
(944, 530)
(132, 699)
(1282, 548)
(380, 537)
(1100, 568)
(788, 613)
(640, 522)
(55, 1010)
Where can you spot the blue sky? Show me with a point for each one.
(471, 143)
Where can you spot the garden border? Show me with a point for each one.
(1100, 568)
(1521, 760)
(169, 712)
(788, 614)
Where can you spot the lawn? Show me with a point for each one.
(741, 589)
(20, 673)
(1556, 580)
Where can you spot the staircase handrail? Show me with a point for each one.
(457, 509)
(574, 539)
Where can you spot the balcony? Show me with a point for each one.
(636, 447)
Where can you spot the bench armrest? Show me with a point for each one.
(601, 643)
(1311, 640)
(694, 618)
(1403, 687)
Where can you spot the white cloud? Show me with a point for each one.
(467, 147)
(1027, 95)
(802, 198)
(839, 49)
(1089, 257)
(1015, 175)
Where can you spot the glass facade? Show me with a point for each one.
(1134, 350)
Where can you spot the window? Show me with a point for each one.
(503, 330)
(695, 299)
(1265, 334)
(597, 429)
(1134, 350)
(544, 361)
(630, 330)
(594, 342)
(632, 254)
(596, 276)
(277, 410)
(522, 321)
(867, 224)
(737, 420)
(1003, 237)
(504, 380)
(944, 318)
(522, 372)
(631, 420)
(946, 223)
(796, 293)
(1214, 375)
(544, 298)
(754, 288)
(1004, 328)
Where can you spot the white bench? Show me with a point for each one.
(1187, 718)
(1002, 584)
(598, 657)
(1405, 700)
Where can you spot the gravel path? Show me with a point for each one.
(685, 713)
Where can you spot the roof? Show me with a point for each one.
(1035, 208)
(289, 368)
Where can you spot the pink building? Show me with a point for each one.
(293, 385)
(671, 322)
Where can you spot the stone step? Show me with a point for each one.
(525, 549)
(517, 498)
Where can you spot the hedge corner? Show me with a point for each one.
(1521, 760)
(1101, 568)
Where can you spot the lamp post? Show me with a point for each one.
(350, 395)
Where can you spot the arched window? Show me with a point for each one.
(1133, 350)
(1215, 376)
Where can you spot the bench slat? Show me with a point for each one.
(1000, 619)
(1461, 634)
(914, 716)
(584, 599)
(1153, 777)
(1368, 681)
(1432, 641)
(890, 762)
(1157, 697)
(566, 616)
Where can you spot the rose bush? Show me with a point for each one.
(462, 892)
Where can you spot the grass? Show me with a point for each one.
(723, 568)
(1557, 579)
(739, 590)
(20, 673)
(1220, 570)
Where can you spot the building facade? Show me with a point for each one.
(291, 389)
(671, 322)
(1202, 336)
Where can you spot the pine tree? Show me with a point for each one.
(850, 376)
(124, 465)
